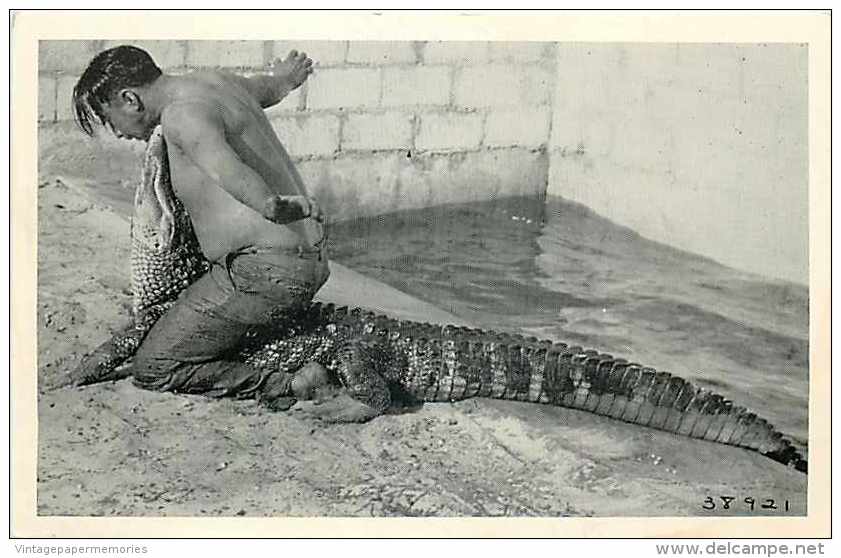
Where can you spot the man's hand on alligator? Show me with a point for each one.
(288, 209)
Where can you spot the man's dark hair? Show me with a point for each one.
(108, 72)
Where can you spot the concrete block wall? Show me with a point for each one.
(380, 126)
(700, 146)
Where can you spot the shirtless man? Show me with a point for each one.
(256, 225)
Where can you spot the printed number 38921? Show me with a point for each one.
(748, 503)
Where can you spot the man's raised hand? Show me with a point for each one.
(294, 70)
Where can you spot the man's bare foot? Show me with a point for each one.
(308, 379)
(294, 70)
(341, 407)
(274, 393)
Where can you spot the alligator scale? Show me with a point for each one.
(375, 357)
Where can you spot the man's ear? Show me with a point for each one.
(131, 99)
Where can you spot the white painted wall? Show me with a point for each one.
(703, 147)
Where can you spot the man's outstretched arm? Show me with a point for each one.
(199, 132)
(286, 76)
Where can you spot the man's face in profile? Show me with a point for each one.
(126, 116)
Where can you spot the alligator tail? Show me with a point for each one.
(448, 363)
(473, 363)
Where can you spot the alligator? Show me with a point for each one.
(375, 358)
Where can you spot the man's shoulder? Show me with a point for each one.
(189, 110)
(187, 125)
(180, 117)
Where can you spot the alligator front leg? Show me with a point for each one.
(103, 364)
(106, 362)
(365, 393)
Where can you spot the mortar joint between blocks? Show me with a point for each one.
(268, 53)
(302, 97)
(550, 52)
(341, 132)
(415, 131)
(418, 48)
(484, 116)
(381, 78)
(454, 74)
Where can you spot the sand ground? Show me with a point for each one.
(114, 450)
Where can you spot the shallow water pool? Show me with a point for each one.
(558, 271)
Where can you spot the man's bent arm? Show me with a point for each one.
(268, 90)
(287, 75)
(200, 133)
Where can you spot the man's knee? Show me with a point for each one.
(150, 370)
(144, 358)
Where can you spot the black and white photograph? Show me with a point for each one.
(422, 277)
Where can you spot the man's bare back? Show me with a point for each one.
(228, 144)
(227, 165)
